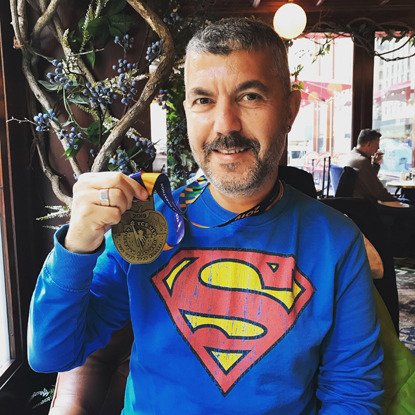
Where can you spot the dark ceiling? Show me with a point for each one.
(339, 10)
(266, 6)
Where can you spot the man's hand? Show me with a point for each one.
(90, 216)
(377, 158)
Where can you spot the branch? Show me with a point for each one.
(21, 10)
(54, 179)
(59, 34)
(20, 38)
(19, 22)
(151, 88)
(354, 30)
(43, 100)
(44, 19)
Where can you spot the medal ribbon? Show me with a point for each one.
(160, 183)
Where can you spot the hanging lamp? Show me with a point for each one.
(290, 20)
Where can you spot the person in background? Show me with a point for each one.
(400, 217)
(256, 311)
(367, 158)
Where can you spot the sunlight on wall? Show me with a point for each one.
(159, 135)
(4, 327)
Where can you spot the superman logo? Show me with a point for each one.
(232, 307)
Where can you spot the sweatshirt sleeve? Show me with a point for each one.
(71, 314)
(350, 378)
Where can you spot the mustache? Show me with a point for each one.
(231, 141)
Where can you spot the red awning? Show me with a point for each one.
(321, 91)
(404, 88)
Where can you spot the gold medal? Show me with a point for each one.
(141, 234)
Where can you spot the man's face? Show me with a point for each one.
(373, 146)
(237, 119)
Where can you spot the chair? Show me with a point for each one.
(365, 215)
(398, 367)
(347, 182)
(325, 182)
(398, 223)
(97, 387)
(299, 179)
(335, 173)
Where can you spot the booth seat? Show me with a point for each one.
(97, 387)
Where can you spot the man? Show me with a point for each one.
(272, 313)
(399, 217)
(367, 159)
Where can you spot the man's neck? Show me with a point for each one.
(363, 151)
(239, 204)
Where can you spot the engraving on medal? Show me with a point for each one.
(141, 234)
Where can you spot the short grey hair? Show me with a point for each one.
(367, 135)
(234, 34)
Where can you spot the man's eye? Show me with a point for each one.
(202, 101)
(251, 97)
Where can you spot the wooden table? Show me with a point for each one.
(402, 184)
(407, 188)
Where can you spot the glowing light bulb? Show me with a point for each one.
(290, 20)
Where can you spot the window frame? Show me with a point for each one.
(16, 206)
(8, 234)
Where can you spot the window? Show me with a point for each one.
(393, 105)
(323, 125)
(4, 324)
(6, 345)
(159, 136)
(16, 236)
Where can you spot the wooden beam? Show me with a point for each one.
(362, 90)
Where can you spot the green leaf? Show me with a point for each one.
(115, 6)
(71, 152)
(93, 134)
(78, 99)
(120, 24)
(91, 56)
(81, 24)
(183, 159)
(51, 87)
(93, 128)
(97, 26)
(74, 41)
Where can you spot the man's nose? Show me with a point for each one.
(227, 118)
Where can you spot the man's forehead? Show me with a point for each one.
(197, 55)
(209, 65)
(195, 58)
(206, 70)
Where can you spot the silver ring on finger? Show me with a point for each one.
(104, 197)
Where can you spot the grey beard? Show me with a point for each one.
(259, 173)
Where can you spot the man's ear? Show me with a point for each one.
(294, 101)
